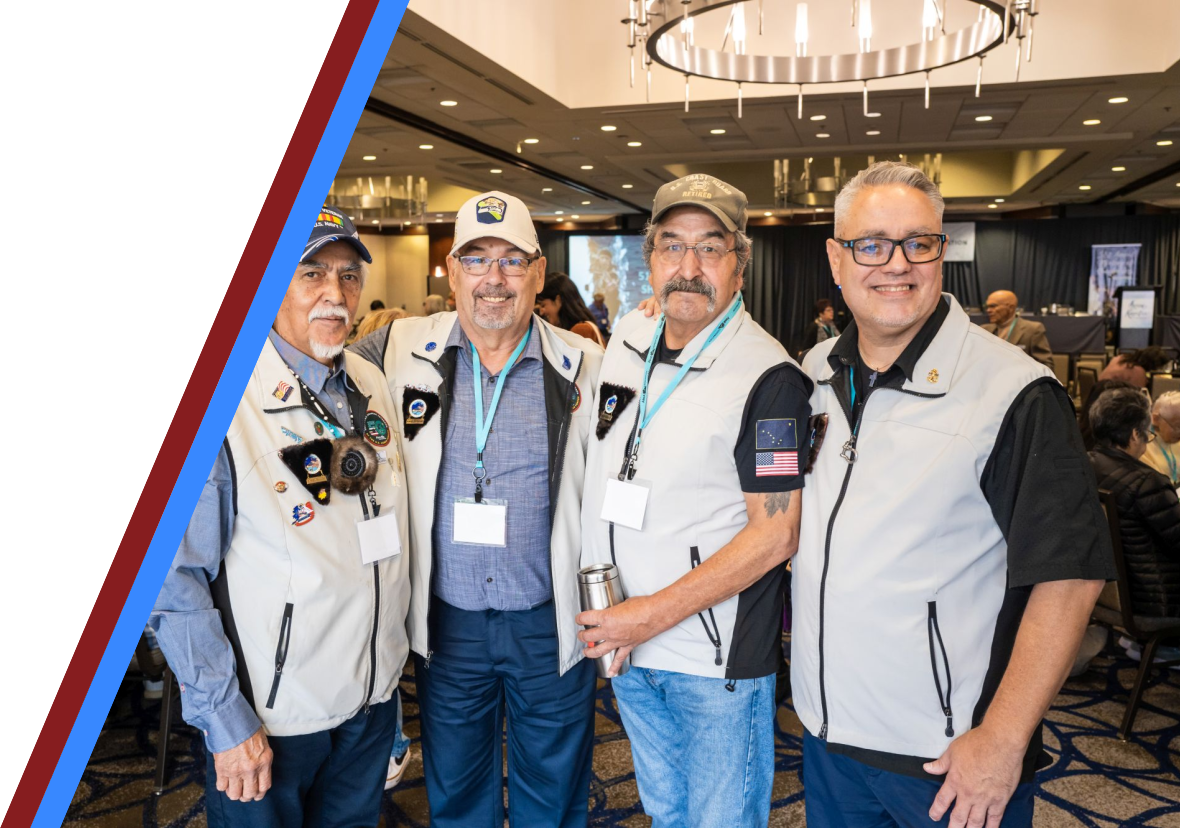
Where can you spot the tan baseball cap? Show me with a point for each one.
(727, 203)
(496, 215)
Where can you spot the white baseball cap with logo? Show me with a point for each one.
(496, 215)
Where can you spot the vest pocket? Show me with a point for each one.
(934, 634)
(280, 654)
(713, 634)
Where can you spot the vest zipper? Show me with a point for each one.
(280, 654)
(932, 632)
(713, 635)
(376, 619)
(562, 438)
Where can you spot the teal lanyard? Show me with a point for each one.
(1008, 336)
(1171, 458)
(483, 425)
(645, 416)
(852, 389)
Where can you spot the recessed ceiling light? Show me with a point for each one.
(872, 114)
(635, 143)
(999, 201)
(818, 117)
(608, 128)
(991, 207)
(628, 186)
(819, 209)
(1163, 143)
(1083, 186)
(495, 172)
(585, 203)
(873, 132)
(559, 212)
(375, 221)
(370, 158)
(1178, 183)
(768, 213)
(426, 146)
(448, 103)
(1118, 169)
(1119, 99)
(575, 216)
(983, 118)
(1091, 122)
(546, 189)
(716, 132)
(438, 221)
(587, 166)
(532, 140)
(822, 135)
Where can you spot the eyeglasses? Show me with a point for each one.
(509, 266)
(919, 249)
(708, 253)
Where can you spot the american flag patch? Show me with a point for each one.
(776, 463)
(282, 391)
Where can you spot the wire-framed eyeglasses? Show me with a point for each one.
(918, 249)
(708, 253)
(509, 265)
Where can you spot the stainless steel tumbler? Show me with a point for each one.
(600, 588)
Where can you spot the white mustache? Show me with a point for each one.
(332, 312)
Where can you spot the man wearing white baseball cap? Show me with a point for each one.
(490, 400)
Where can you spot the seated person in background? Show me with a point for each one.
(1023, 333)
(433, 304)
(824, 327)
(1135, 366)
(1149, 513)
(1084, 414)
(561, 305)
(1165, 423)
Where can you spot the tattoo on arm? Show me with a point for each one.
(776, 502)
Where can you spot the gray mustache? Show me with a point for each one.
(688, 286)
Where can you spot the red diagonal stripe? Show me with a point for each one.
(183, 429)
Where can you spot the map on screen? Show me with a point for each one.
(611, 265)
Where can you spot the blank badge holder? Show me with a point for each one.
(379, 537)
(625, 502)
(481, 524)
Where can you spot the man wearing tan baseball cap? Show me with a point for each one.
(490, 402)
(691, 492)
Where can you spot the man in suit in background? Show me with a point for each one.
(1004, 323)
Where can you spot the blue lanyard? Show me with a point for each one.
(645, 416)
(483, 426)
(1171, 458)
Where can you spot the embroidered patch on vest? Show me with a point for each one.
(577, 398)
(612, 400)
(376, 429)
(419, 404)
(309, 462)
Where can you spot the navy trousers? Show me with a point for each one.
(333, 778)
(839, 792)
(482, 663)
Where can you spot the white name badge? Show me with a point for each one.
(625, 502)
(379, 537)
(483, 524)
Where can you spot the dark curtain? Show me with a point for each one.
(1043, 261)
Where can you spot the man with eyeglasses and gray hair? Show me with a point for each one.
(489, 399)
(692, 490)
(952, 543)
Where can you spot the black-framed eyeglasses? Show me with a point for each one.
(509, 265)
(918, 249)
(709, 253)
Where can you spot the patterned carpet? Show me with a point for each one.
(1095, 780)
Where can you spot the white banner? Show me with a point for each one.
(960, 241)
(1111, 266)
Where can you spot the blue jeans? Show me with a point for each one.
(703, 756)
(840, 792)
(487, 664)
(332, 779)
(400, 743)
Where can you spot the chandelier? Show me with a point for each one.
(366, 198)
(812, 184)
(664, 32)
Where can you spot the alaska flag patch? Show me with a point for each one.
(490, 210)
(776, 435)
(612, 399)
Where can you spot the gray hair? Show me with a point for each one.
(882, 174)
(434, 304)
(1117, 413)
(1167, 404)
(741, 246)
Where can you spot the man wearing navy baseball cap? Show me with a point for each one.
(283, 615)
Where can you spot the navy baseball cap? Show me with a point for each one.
(332, 225)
